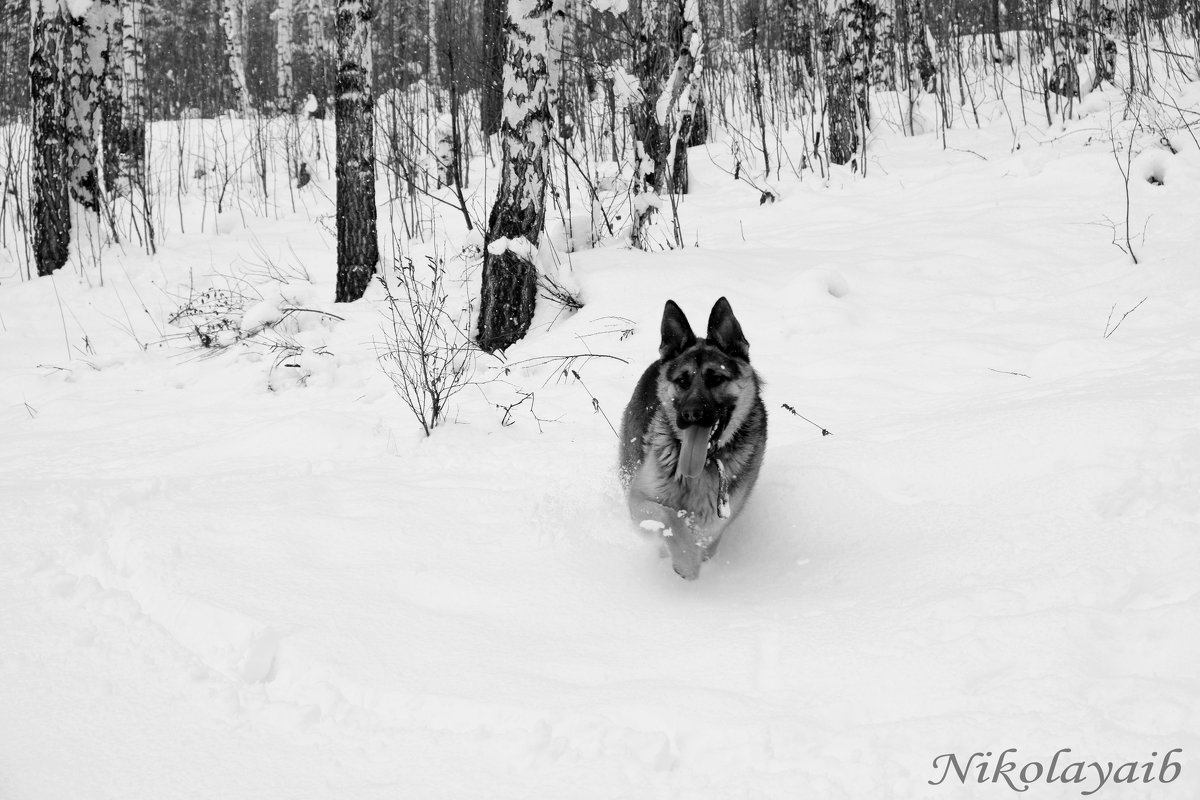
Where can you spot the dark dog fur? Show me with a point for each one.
(695, 382)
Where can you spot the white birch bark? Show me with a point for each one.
(87, 65)
(509, 276)
(282, 17)
(433, 75)
(133, 85)
(233, 23)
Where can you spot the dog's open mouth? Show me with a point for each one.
(693, 451)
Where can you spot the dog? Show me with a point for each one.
(693, 436)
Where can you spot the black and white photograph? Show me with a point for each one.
(599, 399)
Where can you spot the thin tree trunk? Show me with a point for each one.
(110, 99)
(509, 289)
(432, 73)
(357, 242)
(282, 15)
(133, 89)
(48, 53)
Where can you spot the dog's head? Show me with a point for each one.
(707, 385)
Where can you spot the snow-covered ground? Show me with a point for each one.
(245, 572)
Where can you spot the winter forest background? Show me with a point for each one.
(616, 88)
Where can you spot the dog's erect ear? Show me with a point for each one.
(725, 333)
(677, 334)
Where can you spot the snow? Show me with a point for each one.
(244, 572)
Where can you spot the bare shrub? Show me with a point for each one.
(427, 351)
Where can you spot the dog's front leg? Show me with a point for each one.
(676, 533)
(686, 554)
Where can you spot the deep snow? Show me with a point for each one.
(222, 576)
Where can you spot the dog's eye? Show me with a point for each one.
(713, 379)
(683, 379)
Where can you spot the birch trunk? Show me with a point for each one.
(357, 245)
(432, 73)
(48, 54)
(677, 107)
(88, 63)
(282, 17)
(233, 23)
(509, 291)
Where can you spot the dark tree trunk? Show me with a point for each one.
(509, 290)
(111, 91)
(698, 131)
(357, 243)
(491, 99)
(48, 55)
(999, 56)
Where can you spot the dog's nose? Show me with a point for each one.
(692, 415)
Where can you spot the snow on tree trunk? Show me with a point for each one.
(668, 67)
(88, 63)
(282, 17)
(847, 45)
(48, 54)
(357, 243)
(652, 61)
(677, 104)
(233, 23)
(509, 288)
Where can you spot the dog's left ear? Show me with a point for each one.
(677, 334)
(725, 333)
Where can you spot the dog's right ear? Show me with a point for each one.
(677, 334)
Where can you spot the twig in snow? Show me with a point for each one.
(1107, 332)
(596, 404)
(795, 413)
(1006, 372)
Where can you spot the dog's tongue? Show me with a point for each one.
(693, 451)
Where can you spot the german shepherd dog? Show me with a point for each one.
(693, 436)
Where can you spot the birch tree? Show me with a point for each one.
(432, 74)
(675, 110)
(48, 56)
(87, 65)
(508, 294)
(233, 15)
(357, 243)
(847, 47)
(282, 17)
(668, 69)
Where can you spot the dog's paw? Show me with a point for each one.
(689, 572)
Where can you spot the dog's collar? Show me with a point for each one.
(722, 490)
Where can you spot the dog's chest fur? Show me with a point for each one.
(698, 498)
